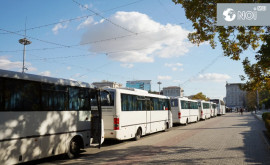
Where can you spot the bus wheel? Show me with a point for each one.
(138, 134)
(74, 148)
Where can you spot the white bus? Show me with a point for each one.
(184, 110)
(220, 106)
(204, 107)
(213, 108)
(43, 116)
(135, 113)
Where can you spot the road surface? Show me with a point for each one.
(229, 139)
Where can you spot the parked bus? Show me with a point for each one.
(43, 116)
(220, 106)
(213, 108)
(204, 109)
(184, 110)
(135, 113)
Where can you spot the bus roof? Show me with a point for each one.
(44, 79)
(135, 91)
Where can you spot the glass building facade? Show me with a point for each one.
(139, 84)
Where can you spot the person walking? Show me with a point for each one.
(241, 111)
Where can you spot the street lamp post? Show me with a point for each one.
(159, 86)
(24, 42)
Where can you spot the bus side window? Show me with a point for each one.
(199, 104)
(31, 96)
(54, 97)
(79, 99)
(1, 94)
(124, 102)
(149, 104)
(104, 99)
(167, 104)
(140, 103)
(13, 95)
(155, 103)
(174, 103)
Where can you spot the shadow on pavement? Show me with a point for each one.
(255, 149)
(142, 155)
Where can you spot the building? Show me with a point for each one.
(173, 91)
(139, 84)
(107, 84)
(235, 97)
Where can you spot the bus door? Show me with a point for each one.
(98, 98)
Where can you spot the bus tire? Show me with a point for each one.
(138, 134)
(74, 147)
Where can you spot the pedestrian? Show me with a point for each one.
(241, 111)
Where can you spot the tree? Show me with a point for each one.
(258, 74)
(200, 96)
(233, 39)
(251, 100)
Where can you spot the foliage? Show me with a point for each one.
(265, 98)
(266, 119)
(251, 100)
(267, 125)
(233, 39)
(259, 73)
(266, 115)
(200, 96)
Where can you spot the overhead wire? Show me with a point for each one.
(76, 45)
(68, 20)
(73, 19)
(201, 71)
(48, 42)
(108, 20)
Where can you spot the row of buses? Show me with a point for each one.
(43, 116)
(134, 113)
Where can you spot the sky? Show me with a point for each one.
(113, 40)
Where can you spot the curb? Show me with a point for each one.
(256, 116)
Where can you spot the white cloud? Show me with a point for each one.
(59, 26)
(45, 73)
(77, 75)
(164, 77)
(127, 65)
(216, 77)
(6, 64)
(86, 23)
(68, 68)
(175, 67)
(153, 39)
(177, 81)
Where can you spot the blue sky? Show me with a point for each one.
(115, 41)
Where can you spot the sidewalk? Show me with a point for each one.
(259, 113)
